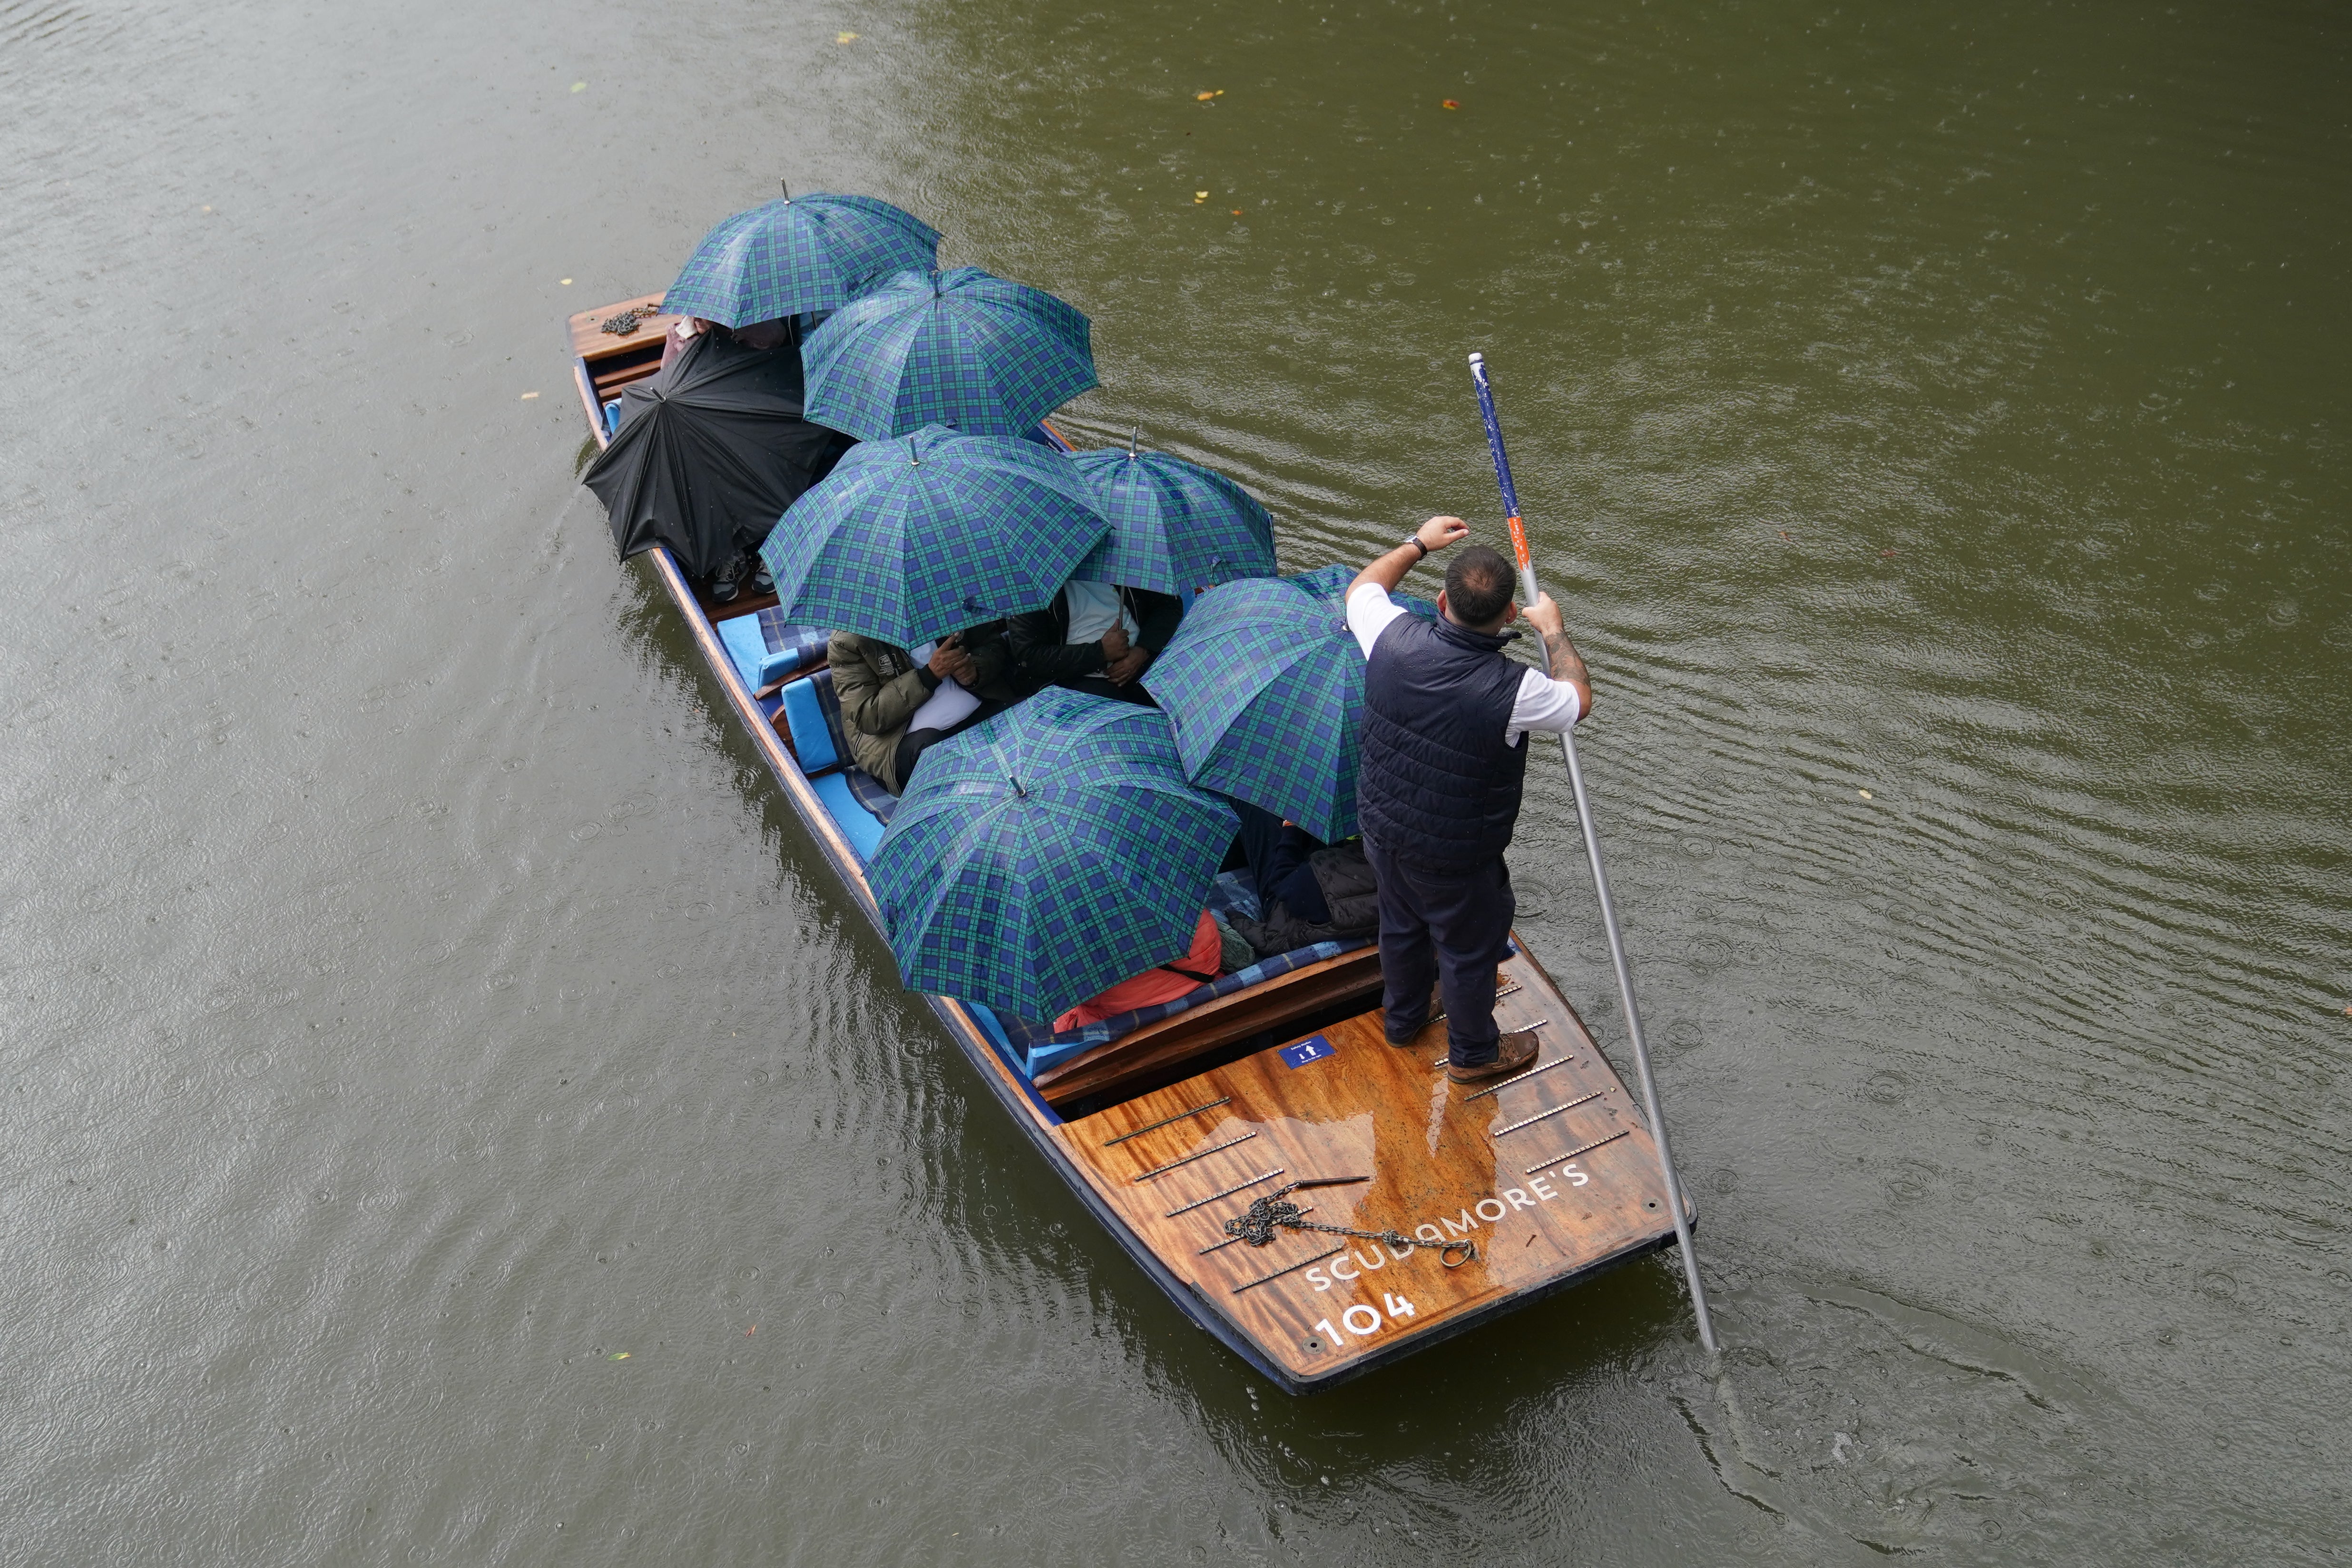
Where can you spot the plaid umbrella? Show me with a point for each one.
(1047, 854)
(1265, 686)
(1175, 528)
(958, 348)
(801, 254)
(913, 538)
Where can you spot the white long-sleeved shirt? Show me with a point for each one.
(1543, 704)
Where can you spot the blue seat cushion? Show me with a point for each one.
(801, 645)
(853, 797)
(813, 739)
(764, 648)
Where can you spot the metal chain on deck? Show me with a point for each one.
(1257, 1225)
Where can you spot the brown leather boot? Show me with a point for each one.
(1517, 1052)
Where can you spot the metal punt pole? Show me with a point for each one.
(1599, 879)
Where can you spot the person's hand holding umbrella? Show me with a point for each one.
(1122, 660)
(1128, 664)
(949, 661)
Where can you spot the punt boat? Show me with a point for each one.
(1170, 1122)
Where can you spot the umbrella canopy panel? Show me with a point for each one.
(815, 252)
(1046, 854)
(961, 348)
(1263, 687)
(1176, 527)
(709, 453)
(914, 538)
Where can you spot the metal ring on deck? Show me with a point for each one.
(1464, 1246)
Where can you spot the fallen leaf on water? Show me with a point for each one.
(1450, 103)
(1867, 795)
(845, 38)
(567, 282)
(1200, 196)
(620, 1355)
(208, 208)
(1237, 212)
(750, 1331)
(579, 87)
(1205, 97)
(528, 396)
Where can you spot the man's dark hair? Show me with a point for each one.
(1478, 586)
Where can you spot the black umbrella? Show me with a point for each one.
(709, 454)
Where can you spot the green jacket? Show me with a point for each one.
(879, 687)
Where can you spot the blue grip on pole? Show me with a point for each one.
(1494, 435)
(1527, 585)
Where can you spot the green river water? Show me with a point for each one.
(417, 998)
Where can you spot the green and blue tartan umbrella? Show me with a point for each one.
(815, 252)
(1047, 854)
(961, 348)
(1175, 528)
(1264, 685)
(910, 539)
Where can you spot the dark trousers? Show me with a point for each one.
(915, 743)
(1454, 929)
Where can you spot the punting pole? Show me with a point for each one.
(1530, 592)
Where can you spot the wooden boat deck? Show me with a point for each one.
(1552, 1175)
(615, 359)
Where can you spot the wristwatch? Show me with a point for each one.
(1413, 539)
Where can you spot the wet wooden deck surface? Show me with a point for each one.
(1552, 1175)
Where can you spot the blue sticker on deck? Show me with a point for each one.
(1312, 1049)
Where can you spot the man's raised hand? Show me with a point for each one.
(1440, 531)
